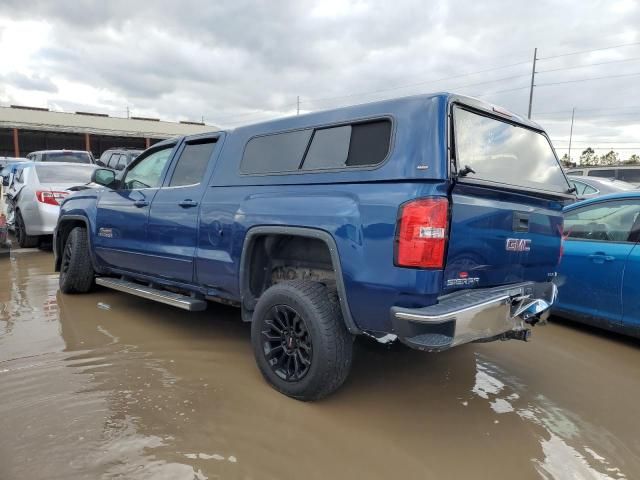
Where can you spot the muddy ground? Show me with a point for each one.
(106, 385)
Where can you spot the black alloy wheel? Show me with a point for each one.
(287, 343)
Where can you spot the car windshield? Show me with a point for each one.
(505, 153)
(67, 157)
(64, 173)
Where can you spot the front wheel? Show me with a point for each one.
(76, 271)
(300, 342)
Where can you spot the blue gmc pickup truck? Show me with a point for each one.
(434, 220)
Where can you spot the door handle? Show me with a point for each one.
(601, 258)
(188, 203)
(141, 203)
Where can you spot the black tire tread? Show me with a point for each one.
(25, 241)
(330, 325)
(80, 276)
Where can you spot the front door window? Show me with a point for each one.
(148, 172)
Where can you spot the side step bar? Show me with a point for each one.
(169, 298)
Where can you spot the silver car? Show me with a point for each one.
(36, 194)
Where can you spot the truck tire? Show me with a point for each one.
(76, 271)
(300, 341)
(24, 240)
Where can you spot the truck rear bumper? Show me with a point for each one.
(474, 315)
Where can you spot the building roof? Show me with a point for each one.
(99, 124)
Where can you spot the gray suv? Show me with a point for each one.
(118, 158)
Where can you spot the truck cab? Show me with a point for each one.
(432, 220)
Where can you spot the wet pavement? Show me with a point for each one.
(106, 385)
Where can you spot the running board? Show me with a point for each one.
(169, 298)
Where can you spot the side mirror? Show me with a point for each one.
(5, 181)
(104, 177)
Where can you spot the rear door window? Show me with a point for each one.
(504, 153)
(122, 162)
(192, 163)
(113, 160)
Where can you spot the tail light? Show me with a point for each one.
(49, 197)
(421, 237)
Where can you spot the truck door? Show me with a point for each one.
(172, 229)
(121, 218)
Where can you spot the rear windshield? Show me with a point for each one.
(504, 153)
(79, 174)
(69, 157)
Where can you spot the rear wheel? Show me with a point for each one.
(76, 271)
(24, 240)
(300, 342)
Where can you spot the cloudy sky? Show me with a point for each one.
(242, 61)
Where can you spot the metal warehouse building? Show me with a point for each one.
(27, 129)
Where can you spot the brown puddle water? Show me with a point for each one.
(106, 385)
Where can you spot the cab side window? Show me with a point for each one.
(605, 222)
(192, 163)
(148, 172)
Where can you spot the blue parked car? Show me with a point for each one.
(434, 220)
(600, 267)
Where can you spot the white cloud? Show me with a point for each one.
(244, 60)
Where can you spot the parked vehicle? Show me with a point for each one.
(627, 173)
(9, 167)
(118, 158)
(65, 156)
(8, 174)
(587, 187)
(358, 221)
(36, 195)
(4, 161)
(601, 263)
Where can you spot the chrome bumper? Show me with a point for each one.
(474, 315)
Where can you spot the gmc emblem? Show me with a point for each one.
(518, 245)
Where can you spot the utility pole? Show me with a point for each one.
(573, 113)
(533, 76)
(298, 109)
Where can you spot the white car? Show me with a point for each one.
(36, 194)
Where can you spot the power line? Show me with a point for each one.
(590, 109)
(589, 51)
(397, 87)
(502, 91)
(597, 141)
(587, 79)
(602, 148)
(590, 65)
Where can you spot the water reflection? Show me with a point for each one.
(105, 385)
(561, 460)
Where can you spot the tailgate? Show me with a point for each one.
(497, 239)
(506, 202)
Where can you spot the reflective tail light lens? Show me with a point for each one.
(421, 239)
(49, 197)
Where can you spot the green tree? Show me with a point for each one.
(565, 162)
(633, 160)
(610, 158)
(588, 157)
